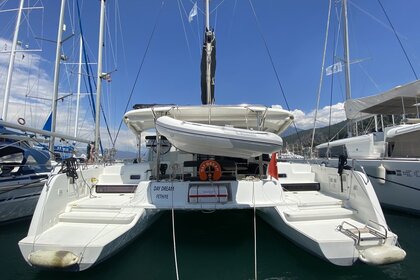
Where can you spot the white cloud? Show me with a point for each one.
(277, 106)
(29, 79)
(306, 120)
(31, 95)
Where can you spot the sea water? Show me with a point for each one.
(217, 245)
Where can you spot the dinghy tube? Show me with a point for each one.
(53, 259)
(380, 255)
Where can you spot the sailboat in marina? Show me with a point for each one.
(389, 154)
(206, 157)
(23, 168)
(24, 161)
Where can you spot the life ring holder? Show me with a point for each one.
(214, 175)
(21, 121)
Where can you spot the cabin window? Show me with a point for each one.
(11, 158)
(337, 151)
(10, 163)
(322, 152)
(332, 152)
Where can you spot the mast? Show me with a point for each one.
(99, 78)
(208, 52)
(79, 78)
(347, 60)
(57, 74)
(208, 14)
(11, 63)
(208, 61)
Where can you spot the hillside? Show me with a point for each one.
(297, 142)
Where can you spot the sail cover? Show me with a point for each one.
(209, 38)
(399, 100)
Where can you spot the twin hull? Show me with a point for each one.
(92, 226)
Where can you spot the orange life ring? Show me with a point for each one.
(21, 121)
(210, 170)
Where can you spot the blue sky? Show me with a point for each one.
(293, 30)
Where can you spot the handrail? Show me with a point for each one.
(362, 168)
(350, 233)
(377, 232)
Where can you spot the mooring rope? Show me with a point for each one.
(394, 182)
(255, 231)
(173, 233)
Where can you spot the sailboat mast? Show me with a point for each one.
(347, 59)
(11, 63)
(99, 78)
(57, 74)
(79, 79)
(208, 51)
(208, 14)
(208, 61)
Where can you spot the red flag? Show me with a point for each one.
(272, 167)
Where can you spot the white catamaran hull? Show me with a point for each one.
(218, 140)
(73, 230)
(77, 225)
(322, 222)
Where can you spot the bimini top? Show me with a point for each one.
(270, 119)
(399, 100)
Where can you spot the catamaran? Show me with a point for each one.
(389, 154)
(87, 214)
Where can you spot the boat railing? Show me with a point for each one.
(377, 232)
(356, 163)
(355, 233)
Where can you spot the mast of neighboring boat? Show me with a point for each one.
(11, 63)
(79, 78)
(99, 78)
(347, 60)
(57, 74)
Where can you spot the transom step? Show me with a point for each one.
(318, 213)
(97, 217)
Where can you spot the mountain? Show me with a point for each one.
(290, 130)
(298, 142)
(125, 155)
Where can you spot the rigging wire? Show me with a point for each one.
(274, 68)
(215, 20)
(215, 8)
(321, 76)
(86, 59)
(70, 18)
(192, 31)
(88, 67)
(140, 67)
(332, 83)
(232, 19)
(185, 31)
(339, 15)
(369, 77)
(110, 40)
(375, 18)
(399, 41)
